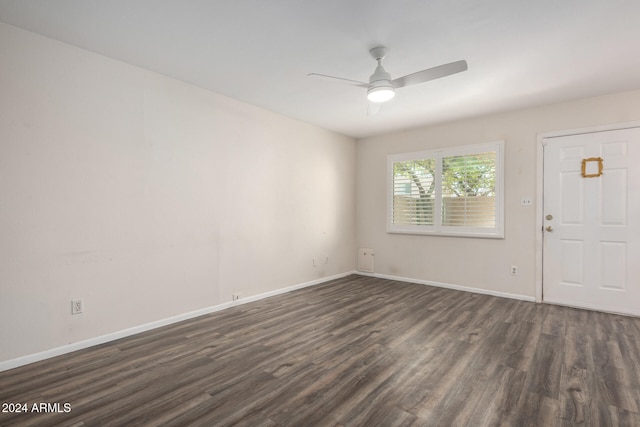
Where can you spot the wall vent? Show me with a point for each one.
(365, 259)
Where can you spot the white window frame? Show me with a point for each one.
(437, 229)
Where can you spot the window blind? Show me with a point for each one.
(449, 192)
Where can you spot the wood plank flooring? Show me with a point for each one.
(357, 351)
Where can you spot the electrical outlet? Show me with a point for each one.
(326, 260)
(235, 297)
(76, 306)
(526, 202)
(514, 270)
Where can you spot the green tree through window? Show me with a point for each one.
(469, 176)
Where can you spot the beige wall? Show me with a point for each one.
(149, 198)
(483, 264)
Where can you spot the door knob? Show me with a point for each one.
(548, 228)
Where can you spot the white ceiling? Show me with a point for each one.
(520, 52)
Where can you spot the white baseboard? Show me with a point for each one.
(451, 286)
(80, 345)
(592, 307)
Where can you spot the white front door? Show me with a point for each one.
(591, 250)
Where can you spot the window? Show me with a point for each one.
(450, 192)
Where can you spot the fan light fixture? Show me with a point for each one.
(380, 87)
(381, 93)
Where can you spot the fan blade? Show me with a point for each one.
(430, 74)
(347, 81)
(374, 108)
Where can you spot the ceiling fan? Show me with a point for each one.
(381, 88)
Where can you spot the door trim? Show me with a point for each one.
(542, 140)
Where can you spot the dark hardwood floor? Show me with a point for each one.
(357, 351)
